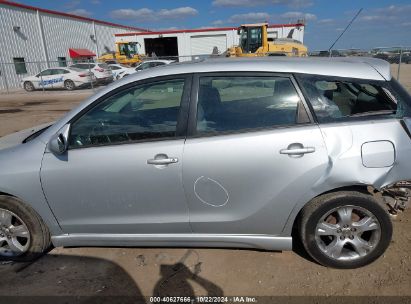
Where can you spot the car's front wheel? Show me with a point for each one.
(28, 86)
(345, 229)
(69, 85)
(23, 235)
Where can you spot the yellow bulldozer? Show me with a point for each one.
(125, 53)
(254, 42)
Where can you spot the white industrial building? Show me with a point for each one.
(30, 35)
(33, 39)
(196, 42)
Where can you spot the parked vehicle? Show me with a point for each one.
(125, 53)
(394, 58)
(384, 56)
(143, 66)
(405, 58)
(67, 78)
(117, 69)
(334, 53)
(102, 71)
(230, 153)
(255, 41)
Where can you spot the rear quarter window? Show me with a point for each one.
(338, 99)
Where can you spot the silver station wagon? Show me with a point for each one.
(225, 153)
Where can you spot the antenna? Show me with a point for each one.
(349, 24)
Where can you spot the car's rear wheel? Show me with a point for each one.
(23, 235)
(28, 86)
(345, 229)
(69, 85)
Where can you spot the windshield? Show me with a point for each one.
(250, 39)
(128, 49)
(243, 38)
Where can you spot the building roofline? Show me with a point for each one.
(212, 29)
(52, 12)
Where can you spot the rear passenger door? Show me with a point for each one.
(251, 155)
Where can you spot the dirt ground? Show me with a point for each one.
(163, 271)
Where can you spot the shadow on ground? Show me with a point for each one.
(56, 278)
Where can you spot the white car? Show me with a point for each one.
(143, 66)
(100, 70)
(117, 69)
(53, 78)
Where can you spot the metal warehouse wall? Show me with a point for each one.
(62, 33)
(26, 43)
(105, 36)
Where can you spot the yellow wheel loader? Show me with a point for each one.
(254, 42)
(125, 53)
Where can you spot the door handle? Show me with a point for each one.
(162, 161)
(298, 151)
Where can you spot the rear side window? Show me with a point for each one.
(344, 99)
(59, 72)
(231, 104)
(83, 66)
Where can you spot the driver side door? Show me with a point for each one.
(44, 79)
(122, 173)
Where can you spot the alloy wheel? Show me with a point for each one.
(347, 233)
(14, 234)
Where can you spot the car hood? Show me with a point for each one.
(17, 138)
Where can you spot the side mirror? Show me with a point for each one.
(58, 143)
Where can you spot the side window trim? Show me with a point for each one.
(192, 119)
(181, 129)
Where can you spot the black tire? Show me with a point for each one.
(313, 212)
(69, 85)
(28, 86)
(39, 234)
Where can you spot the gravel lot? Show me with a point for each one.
(163, 271)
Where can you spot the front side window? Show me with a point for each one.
(154, 64)
(47, 72)
(230, 104)
(143, 66)
(345, 99)
(59, 71)
(145, 112)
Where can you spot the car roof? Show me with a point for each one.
(351, 67)
(157, 60)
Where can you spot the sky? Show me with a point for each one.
(381, 23)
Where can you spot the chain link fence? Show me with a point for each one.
(396, 55)
(12, 75)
